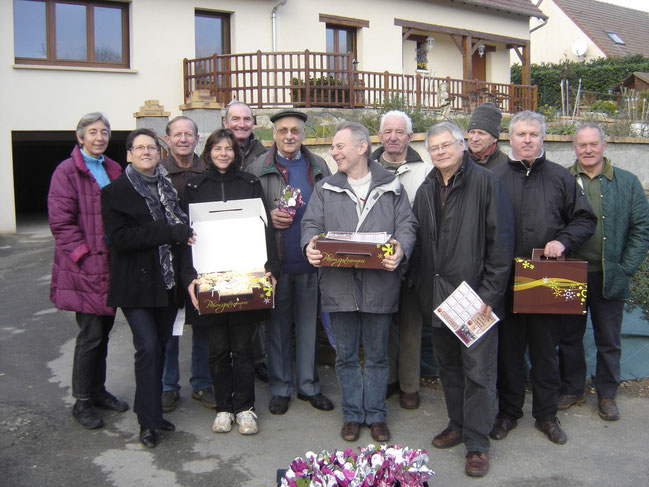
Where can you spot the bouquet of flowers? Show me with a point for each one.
(290, 200)
(374, 466)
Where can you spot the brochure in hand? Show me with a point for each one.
(460, 313)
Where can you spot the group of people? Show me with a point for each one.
(464, 216)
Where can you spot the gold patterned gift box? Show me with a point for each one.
(337, 252)
(229, 256)
(549, 286)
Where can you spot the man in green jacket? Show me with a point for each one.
(614, 253)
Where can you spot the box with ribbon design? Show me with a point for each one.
(229, 256)
(549, 286)
(363, 250)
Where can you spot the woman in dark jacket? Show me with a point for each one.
(81, 271)
(146, 229)
(231, 359)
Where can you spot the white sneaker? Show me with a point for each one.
(223, 422)
(247, 421)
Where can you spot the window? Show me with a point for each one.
(615, 38)
(212, 31)
(340, 40)
(71, 33)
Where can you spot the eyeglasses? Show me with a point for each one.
(141, 148)
(180, 135)
(294, 131)
(434, 149)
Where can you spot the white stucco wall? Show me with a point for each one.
(161, 34)
(552, 43)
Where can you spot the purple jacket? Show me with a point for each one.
(80, 274)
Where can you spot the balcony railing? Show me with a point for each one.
(318, 79)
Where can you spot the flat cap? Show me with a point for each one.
(288, 113)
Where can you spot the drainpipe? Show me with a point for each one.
(273, 16)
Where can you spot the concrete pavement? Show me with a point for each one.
(41, 445)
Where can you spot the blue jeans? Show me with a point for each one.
(151, 329)
(363, 393)
(200, 370)
(296, 301)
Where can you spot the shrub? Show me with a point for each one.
(605, 106)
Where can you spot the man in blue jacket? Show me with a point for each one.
(614, 253)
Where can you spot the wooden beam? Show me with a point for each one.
(443, 29)
(458, 43)
(344, 21)
(526, 72)
(407, 33)
(467, 64)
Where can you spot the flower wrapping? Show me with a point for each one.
(373, 466)
(290, 200)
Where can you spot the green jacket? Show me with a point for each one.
(625, 227)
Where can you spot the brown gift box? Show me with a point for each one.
(231, 239)
(549, 286)
(362, 255)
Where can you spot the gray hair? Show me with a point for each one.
(178, 119)
(359, 134)
(233, 103)
(528, 116)
(590, 125)
(447, 127)
(89, 119)
(397, 113)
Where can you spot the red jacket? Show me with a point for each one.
(80, 274)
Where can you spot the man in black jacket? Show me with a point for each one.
(465, 234)
(483, 132)
(552, 213)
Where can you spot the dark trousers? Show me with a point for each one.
(151, 329)
(468, 377)
(90, 351)
(606, 315)
(404, 346)
(541, 333)
(232, 363)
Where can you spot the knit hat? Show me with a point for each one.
(486, 117)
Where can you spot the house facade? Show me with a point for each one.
(582, 30)
(62, 59)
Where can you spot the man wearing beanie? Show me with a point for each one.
(483, 131)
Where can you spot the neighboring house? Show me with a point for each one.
(60, 59)
(638, 81)
(581, 30)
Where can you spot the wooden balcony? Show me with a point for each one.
(318, 79)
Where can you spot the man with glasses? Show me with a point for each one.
(288, 162)
(182, 164)
(465, 234)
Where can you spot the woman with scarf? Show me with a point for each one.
(230, 335)
(146, 230)
(81, 270)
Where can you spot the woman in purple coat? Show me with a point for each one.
(80, 274)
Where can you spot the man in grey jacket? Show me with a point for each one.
(361, 197)
(404, 345)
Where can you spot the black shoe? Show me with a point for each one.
(278, 404)
(261, 371)
(106, 400)
(502, 427)
(86, 415)
(319, 401)
(167, 425)
(148, 437)
(552, 430)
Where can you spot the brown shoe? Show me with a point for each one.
(567, 400)
(447, 438)
(409, 400)
(477, 464)
(380, 432)
(608, 409)
(350, 431)
(552, 430)
(502, 426)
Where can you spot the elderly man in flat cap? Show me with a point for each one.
(483, 130)
(288, 162)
